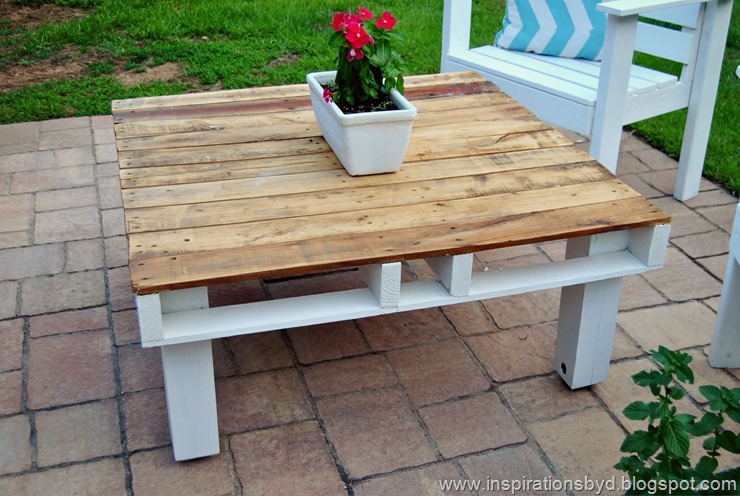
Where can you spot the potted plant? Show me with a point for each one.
(360, 106)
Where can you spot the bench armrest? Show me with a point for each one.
(621, 8)
(456, 26)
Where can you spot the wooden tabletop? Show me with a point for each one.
(235, 185)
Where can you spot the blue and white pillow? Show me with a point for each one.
(563, 28)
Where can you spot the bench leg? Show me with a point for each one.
(191, 399)
(725, 348)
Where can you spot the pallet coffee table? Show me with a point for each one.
(238, 185)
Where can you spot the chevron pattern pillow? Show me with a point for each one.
(563, 28)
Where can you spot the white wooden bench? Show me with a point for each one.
(598, 98)
(725, 349)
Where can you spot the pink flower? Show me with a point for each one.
(328, 95)
(364, 13)
(387, 21)
(355, 54)
(340, 21)
(354, 18)
(357, 36)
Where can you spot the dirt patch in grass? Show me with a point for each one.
(68, 63)
(64, 64)
(169, 71)
(15, 16)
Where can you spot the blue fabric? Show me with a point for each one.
(563, 28)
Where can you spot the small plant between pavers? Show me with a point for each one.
(659, 463)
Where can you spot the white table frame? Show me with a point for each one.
(183, 325)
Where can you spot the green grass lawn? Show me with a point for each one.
(240, 43)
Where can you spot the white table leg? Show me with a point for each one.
(191, 399)
(189, 385)
(587, 320)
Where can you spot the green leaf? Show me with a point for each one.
(710, 444)
(685, 419)
(734, 414)
(640, 442)
(706, 467)
(637, 410)
(729, 440)
(389, 84)
(659, 409)
(711, 393)
(675, 363)
(676, 393)
(708, 424)
(630, 464)
(675, 438)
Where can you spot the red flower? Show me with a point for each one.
(386, 22)
(357, 36)
(355, 54)
(328, 95)
(364, 13)
(340, 21)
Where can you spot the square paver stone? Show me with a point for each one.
(11, 344)
(147, 424)
(261, 400)
(15, 448)
(374, 432)
(351, 374)
(70, 368)
(425, 481)
(516, 470)
(78, 433)
(516, 353)
(71, 291)
(545, 397)
(11, 389)
(471, 425)
(675, 326)
(437, 372)
(581, 444)
(327, 341)
(287, 460)
(260, 351)
(87, 479)
(386, 332)
(156, 473)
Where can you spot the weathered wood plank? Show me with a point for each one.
(462, 79)
(210, 188)
(143, 177)
(429, 142)
(375, 220)
(253, 127)
(226, 152)
(285, 259)
(357, 199)
(143, 128)
(275, 98)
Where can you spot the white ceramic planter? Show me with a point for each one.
(365, 143)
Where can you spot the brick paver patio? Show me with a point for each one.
(382, 406)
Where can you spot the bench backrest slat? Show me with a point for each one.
(678, 41)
